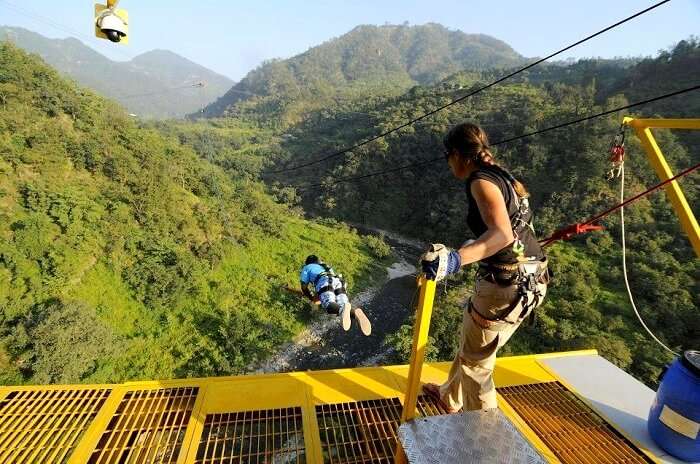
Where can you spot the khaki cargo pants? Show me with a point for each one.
(470, 381)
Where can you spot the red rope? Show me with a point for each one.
(579, 228)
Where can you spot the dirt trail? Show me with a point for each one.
(324, 344)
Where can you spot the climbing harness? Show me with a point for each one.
(520, 220)
(617, 154)
(329, 274)
(526, 276)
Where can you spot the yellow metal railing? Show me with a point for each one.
(343, 415)
(420, 340)
(642, 128)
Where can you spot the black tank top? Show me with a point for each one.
(497, 176)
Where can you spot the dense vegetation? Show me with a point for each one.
(151, 85)
(153, 250)
(565, 172)
(367, 61)
(125, 255)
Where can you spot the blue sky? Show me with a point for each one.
(232, 37)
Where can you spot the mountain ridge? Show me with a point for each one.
(158, 77)
(392, 56)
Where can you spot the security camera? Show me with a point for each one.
(112, 25)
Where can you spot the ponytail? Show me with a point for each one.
(520, 189)
(472, 143)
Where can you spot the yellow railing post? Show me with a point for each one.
(642, 128)
(420, 340)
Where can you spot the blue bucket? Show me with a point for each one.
(674, 419)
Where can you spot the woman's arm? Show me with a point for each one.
(492, 207)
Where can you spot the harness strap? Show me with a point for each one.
(329, 288)
(527, 278)
(485, 322)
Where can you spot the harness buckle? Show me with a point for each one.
(529, 273)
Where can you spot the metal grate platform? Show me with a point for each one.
(573, 431)
(45, 425)
(268, 436)
(148, 426)
(364, 431)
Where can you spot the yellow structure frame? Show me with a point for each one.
(421, 325)
(305, 390)
(642, 128)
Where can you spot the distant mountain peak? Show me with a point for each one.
(401, 55)
(157, 77)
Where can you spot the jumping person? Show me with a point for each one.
(330, 288)
(512, 277)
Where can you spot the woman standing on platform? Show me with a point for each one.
(512, 276)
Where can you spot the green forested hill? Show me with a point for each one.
(148, 251)
(151, 85)
(124, 255)
(564, 171)
(368, 59)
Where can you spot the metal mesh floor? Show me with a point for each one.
(572, 430)
(364, 431)
(44, 426)
(268, 436)
(147, 427)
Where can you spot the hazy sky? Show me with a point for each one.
(232, 37)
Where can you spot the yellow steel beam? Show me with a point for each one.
(420, 340)
(88, 443)
(312, 434)
(663, 123)
(190, 442)
(642, 128)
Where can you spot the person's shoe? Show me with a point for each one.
(365, 324)
(347, 309)
(433, 392)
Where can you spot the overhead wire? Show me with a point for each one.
(470, 94)
(511, 139)
(485, 126)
